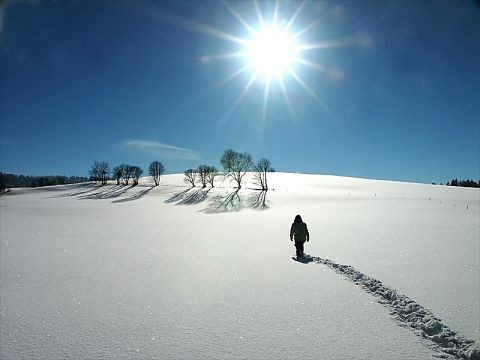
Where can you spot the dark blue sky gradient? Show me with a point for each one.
(124, 81)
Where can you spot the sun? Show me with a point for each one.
(271, 51)
(274, 53)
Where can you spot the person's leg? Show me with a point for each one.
(299, 246)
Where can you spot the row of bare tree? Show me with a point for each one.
(99, 172)
(124, 172)
(203, 174)
(235, 165)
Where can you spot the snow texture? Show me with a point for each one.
(407, 312)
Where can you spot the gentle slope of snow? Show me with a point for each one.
(172, 272)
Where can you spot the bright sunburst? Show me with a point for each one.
(273, 53)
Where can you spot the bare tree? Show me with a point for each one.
(260, 173)
(136, 173)
(207, 174)
(104, 171)
(236, 165)
(190, 176)
(211, 174)
(202, 172)
(156, 169)
(99, 171)
(117, 173)
(227, 159)
(127, 172)
(93, 173)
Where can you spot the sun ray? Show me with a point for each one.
(316, 66)
(265, 102)
(220, 83)
(287, 100)
(310, 91)
(204, 28)
(207, 29)
(239, 18)
(333, 73)
(307, 28)
(259, 13)
(244, 92)
(230, 55)
(327, 44)
(275, 13)
(293, 18)
(230, 77)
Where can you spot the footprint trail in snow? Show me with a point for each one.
(407, 312)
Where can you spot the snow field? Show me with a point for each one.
(91, 272)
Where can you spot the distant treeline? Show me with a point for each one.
(12, 180)
(464, 183)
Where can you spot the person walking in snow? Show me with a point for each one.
(299, 232)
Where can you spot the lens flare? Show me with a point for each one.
(271, 51)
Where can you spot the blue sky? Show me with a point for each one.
(382, 89)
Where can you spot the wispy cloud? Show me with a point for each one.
(159, 149)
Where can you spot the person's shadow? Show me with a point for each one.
(305, 259)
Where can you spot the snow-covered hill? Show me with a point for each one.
(172, 272)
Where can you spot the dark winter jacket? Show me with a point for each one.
(299, 231)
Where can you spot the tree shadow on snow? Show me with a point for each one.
(258, 200)
(108, 193)
(196, 197)
(235, 201)
(136, 196)
(406, 312)
(80, 189)
(189, 197)
(221, 203)
(85, 190)
(177, 196)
